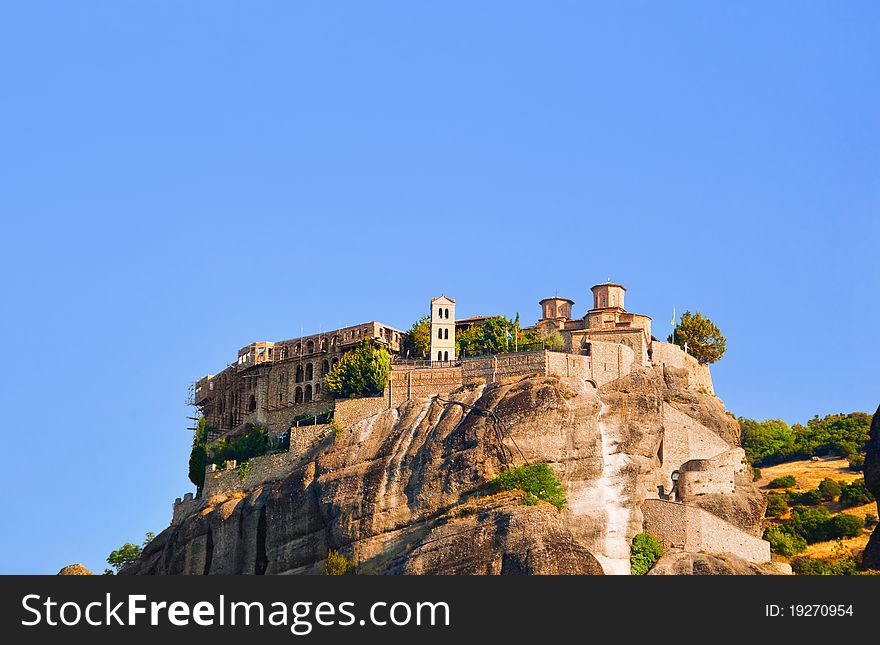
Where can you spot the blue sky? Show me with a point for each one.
(180, 179)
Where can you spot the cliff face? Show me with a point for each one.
(871, 558)
(405, 491)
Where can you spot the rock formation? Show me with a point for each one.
(405, 491)
(75, 570)
(871, 558)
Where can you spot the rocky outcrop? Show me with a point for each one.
(871, 558)
(75, 570)
(703, 564)
(404, 491)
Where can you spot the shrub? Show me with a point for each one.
(870, 520)
(253, 444)
(783, 482)
(811, 523)
(838, 566)
(784, 543)
(538, 481)
(337, 564)
(855, 494)
(645, 551)
(777, 504)
(806, 498)
(844, 526)
(829, 489)
(360, 372)
(857, 462)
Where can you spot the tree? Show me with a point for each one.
(777, 504)
(855, 494)
(417, 342)
(127, 553)
(766, 442)
(829, 489)
(496, 335)
(360, 372)
(703, 338)
(198, 457)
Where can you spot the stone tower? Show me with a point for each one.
(608, 296)
(442, 329)
(554, 312)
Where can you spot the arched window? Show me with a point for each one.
(439, 356)
(334, 362)
(310, 346)
(333, 341)
(252, 403)
(445, 334)
(299, 374)
(308, 393)
(446, 313)
(298, 349)
(298, 396)
(440, 333)
(445, 356)
(325, 367)
(323, 344)
(440, 312)
(317, 389)
(309, 372)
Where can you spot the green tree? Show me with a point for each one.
(784, 543)
(777, 504)
(829, 489)
(788, 481)
(644, 552)
(855, 494)
(198, 456)
(127, 553)
(703, 338)
(360, 372)
(537, 481)
(555, 342)
(417, 342)
(766, 442)
(834, 434)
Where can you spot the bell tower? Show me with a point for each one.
(442, 329)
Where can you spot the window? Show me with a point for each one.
(334, 362)
(308, 393)
(439, 356)
(445, 356)
(446, 313)
(439, 333)
(445, 334)
(440, 312)
(310, 346)
(252, 403)
(309, 372)
(325, 367)
(317, 389)
(299, 374)
(323, 344)
(298, 397)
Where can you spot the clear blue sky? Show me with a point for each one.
(180, 179)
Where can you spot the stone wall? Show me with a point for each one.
(688, 528)
(184, 507)
(684, 440)
(711, 476)
(490, 369)
(415, 383)
(265, 468)
(350, 411)
(699, 378)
